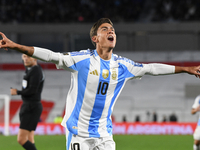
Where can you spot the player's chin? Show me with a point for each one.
(111, 46)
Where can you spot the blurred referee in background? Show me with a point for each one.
(31, 109)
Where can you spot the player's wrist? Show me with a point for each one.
(13, 45)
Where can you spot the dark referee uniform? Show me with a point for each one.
(31, 108)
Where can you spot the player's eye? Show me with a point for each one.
(104, 29)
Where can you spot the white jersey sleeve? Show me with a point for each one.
(62, 61)
(196, 102)
(156, 69)
(138, 70)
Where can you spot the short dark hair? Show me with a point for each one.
(93, 30)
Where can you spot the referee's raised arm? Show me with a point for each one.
(7, 43)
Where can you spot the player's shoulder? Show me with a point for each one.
(87, 52)
(121, 58)
(125, 60)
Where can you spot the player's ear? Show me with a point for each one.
(94, 39)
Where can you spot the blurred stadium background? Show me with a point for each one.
(163, 31)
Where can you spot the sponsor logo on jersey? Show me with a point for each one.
(95, 72)
(105, 73)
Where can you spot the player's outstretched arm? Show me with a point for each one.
(36, 52)
(163, 69)
(7, 43)
(191, 70)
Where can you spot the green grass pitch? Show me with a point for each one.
(123, 142)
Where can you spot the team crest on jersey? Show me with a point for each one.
(105, 73)
(114, 74)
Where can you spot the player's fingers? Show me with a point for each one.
(2, 41)
(3, 35)
(198, 68)
(4, 48)
(198, 76)
(3, 45)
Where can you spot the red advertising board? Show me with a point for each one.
(154, 128)
(118, 128)
(42, 129)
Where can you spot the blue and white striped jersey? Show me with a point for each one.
(95, 87)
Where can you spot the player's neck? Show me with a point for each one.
(104, 53)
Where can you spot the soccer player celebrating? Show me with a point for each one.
(196, 135)
(98, 77)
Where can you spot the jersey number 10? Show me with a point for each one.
(75, 146)
(102, 89)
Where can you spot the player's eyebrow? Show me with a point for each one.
(107, 27)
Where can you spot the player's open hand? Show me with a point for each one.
(5, 42)
(194, 70)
